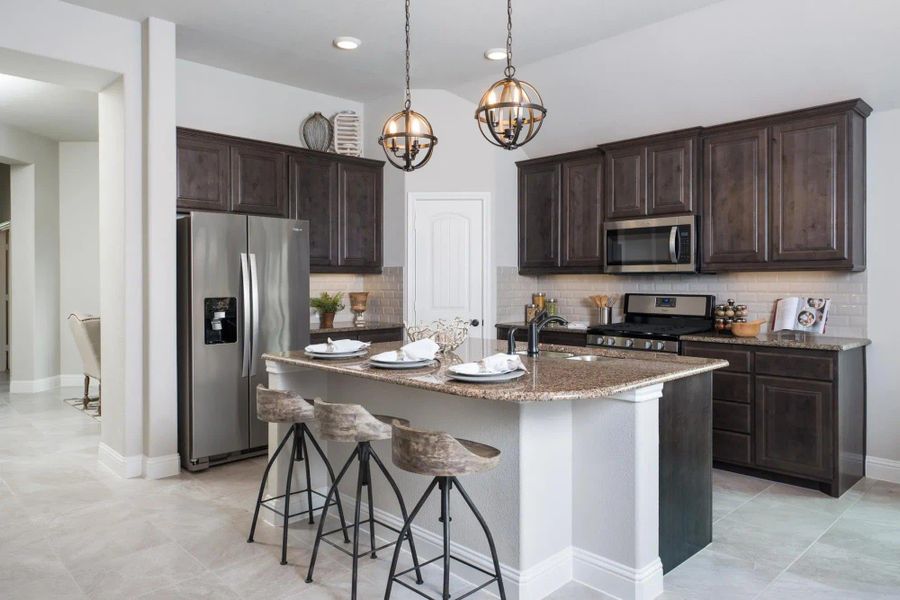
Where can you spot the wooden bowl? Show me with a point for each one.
(749, 329)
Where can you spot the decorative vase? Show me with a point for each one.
(326, 320)
(317, 132)
(358, 302)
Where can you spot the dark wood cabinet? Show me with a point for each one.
(314, 197)
(560, 214)
(258, 180)
(786, 191)
(652, 176)
(359, 206)
(340, 196)
(735, 176)
(375, 336)
(204, 181)
(790, 415)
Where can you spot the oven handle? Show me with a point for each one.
(673, 247)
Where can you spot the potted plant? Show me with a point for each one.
(327, 305)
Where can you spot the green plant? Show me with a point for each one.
(328, 303)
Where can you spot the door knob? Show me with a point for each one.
(474, 322)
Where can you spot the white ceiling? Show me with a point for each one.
(53, 111)
(290, 40)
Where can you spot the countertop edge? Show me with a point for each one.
(824, 343)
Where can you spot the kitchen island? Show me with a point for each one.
(577, 491)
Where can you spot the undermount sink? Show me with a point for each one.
(590, 358)
(550, 354)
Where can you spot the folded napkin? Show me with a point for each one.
(414, 351)
(497, 363)
(337, 346)
(576, 325)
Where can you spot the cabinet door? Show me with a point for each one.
(314, 197)
(626, 194)
(258, 180)
(794, 426)
(809, 190)
(539, 207)
(203, 181)
(671, 179)
(582, 239)
(359, 217)
(734, 199)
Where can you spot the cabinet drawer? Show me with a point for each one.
(731, 416)
(387, 335)
(731, 447)
(733, 387)
(316, 337)
(739, 361)
(805, 365)
(563, 338)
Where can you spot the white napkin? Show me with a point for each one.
(576, 325)
(414, 351)
(494, 364)
(337, 346)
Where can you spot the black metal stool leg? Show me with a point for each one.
(305, 458)
(262, 486)
(371, 509)
(331, 491)
(407, 524)
(287, 495)
(337, 494)
(487, 533)
(361, 474)
(445, 519)
(403, 513)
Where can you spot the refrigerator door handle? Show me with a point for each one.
(254, 296)
(245, 301)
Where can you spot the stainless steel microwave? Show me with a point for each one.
(659, 245)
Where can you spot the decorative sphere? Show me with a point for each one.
(510, 113)
(407, 139)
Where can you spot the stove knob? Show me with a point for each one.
(648, 344)
(600, 340)
(660, 346)
(629, 343)
(610, 341)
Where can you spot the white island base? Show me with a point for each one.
(575, 497)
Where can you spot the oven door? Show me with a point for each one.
(664, 245)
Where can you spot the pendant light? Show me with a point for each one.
(406, 137)
(510, 112)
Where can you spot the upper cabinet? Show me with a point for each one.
(340, 196)
(652, 176)
(786, 191)
(560, 214)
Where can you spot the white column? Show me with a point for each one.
(616, 494)
(160, 370)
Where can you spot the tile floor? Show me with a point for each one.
(71, 529)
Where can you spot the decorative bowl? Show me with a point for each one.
(749, 329)
(448, 335)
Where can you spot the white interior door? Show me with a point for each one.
(447, 260)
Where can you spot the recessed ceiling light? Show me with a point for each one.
(346, 43)
(495, 54)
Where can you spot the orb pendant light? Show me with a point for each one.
(406, 137)
(510, 112)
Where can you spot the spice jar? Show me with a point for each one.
(538, 299)
(720, 324)
(552, 307)
(531, 311)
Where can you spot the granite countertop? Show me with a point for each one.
(784, 339)
(547, 378)
(349, 326)
(551, 326)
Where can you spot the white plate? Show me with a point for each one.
(418, 364)
(460, 370)
(494, 378)
(323, 349)
(334, 356)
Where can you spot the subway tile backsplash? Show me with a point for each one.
(847, 317)
(385, 293)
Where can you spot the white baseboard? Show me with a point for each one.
(125, 467)
(160, 467)
(77, 380)
(33, 386)
(615, 579)
(883, 469)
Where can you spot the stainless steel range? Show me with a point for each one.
(656, 322)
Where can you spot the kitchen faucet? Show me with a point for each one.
(534, 331)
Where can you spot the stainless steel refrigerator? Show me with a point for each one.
(243, 289)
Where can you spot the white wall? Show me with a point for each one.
(216, 100)
(883, 155)
(34, 258)
(79, 244)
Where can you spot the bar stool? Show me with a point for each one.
(354, 424)
(276, 406)
(443, 457)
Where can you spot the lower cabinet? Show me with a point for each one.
(789, 415)
(374, 336)
(549, 335)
